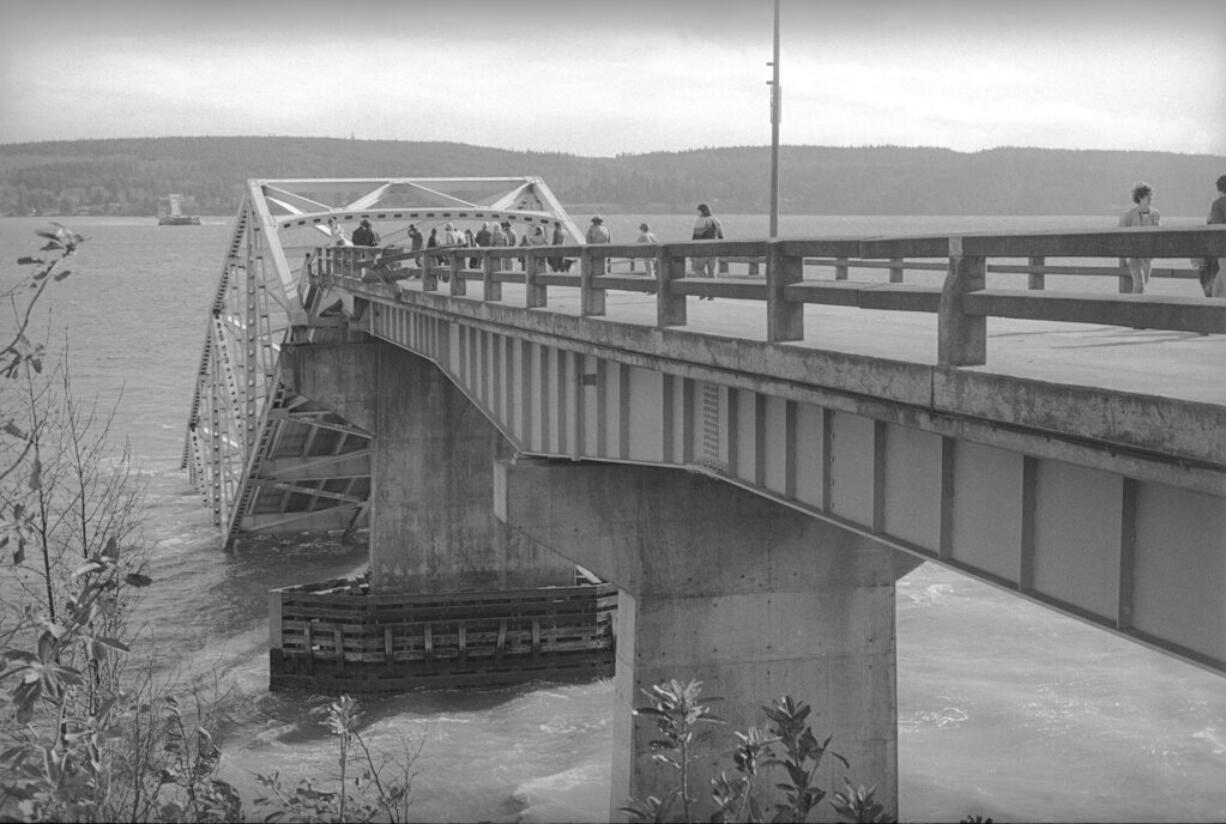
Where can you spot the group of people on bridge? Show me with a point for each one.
(1208, 269)
(493, 234)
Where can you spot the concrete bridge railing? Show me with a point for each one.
(1037, 268)
(963, 302)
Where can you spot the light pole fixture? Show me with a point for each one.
(776, 103)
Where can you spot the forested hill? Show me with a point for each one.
(126, 176)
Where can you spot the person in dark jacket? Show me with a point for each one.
(416, 242)
(706, 227)
(1212, 276)
(365, 235)
(558, 239)
(432, 242)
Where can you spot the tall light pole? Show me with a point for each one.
(776, 102)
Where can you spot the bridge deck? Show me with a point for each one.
(1179, 365)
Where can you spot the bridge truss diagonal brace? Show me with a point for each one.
(753, 598)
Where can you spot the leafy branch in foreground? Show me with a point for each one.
(61, 243)
(788, 744)
(677, 711)
(80, 738)
(379, 791)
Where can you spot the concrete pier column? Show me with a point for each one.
(754, 599)
(432, 529)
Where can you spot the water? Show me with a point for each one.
(1005, 709)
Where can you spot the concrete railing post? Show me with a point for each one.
(840, 268)
(670, 308)
(535, 294)
(896, 270)
(591, 299)
(491, 290)
(785, 319)
(962, 340)
(1037, 279)
(459, 285)
(429, 274)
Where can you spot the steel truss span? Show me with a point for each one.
(263, 457)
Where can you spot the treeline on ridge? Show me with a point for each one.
(128, 176)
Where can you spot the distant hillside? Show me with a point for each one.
(127, 176)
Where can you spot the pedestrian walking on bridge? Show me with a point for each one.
(1143, 214)
(647, 236)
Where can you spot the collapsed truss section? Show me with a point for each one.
(264, 458)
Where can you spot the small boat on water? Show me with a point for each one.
(175, 216)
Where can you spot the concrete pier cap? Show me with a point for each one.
(754, 599)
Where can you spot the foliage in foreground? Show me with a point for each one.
(787, 744)
(86, 734)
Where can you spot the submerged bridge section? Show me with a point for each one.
(860, 407)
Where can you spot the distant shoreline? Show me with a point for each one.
(128, 176)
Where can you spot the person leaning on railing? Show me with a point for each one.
(557, 264)
(498, 238)
(416, 243)
(336, 234)
(512, 237)
(537, 238)
(598, 232)
(706, 227)
(1140, 215)
(470, 240)
(1212, 279)
(365, 235)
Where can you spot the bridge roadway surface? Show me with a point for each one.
(1179, 365)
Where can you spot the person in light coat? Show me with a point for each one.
(647, 236)
(598, 232)
(1142, 214)
(336, 233)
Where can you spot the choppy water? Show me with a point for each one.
(1005, 709)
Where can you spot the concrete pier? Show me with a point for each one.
(750, 597)
(431, 527)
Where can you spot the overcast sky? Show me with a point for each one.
(624, 76)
